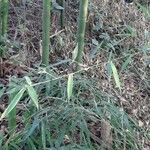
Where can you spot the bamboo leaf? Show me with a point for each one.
(108, 66)
(125, 64)
(31, 144)
(70, 86)
(33, 95)
(109, 70)
(28, 80)
(75, 53)
(115, 75)
(13, 103)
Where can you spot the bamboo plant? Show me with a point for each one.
(0, 20)
(81, 28)
(3, 16)
(12, 116)
(61, 3)
(45, 31)
(3, 23)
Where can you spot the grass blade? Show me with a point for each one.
(125, 64)
(75, 53)
(70, 86)
(28, 80)
(33, 95)
(13, 103)
(115, 75)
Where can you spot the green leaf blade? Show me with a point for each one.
(13, 103)
(115, 75)
(70, 86)
(33, 95)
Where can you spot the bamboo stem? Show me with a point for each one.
(61, 3)
(0, 20)
(46, 31)
(81, 28)
(4, 17)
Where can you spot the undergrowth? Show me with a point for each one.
(69, 124)
(103, 105)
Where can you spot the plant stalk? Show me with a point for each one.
(4, 17)
(81, 28)
(62, 4)
(45, 32)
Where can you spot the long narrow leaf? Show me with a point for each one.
(75, 53)
(70, 86)
(125, 64)
(115, 75)
(109, 70)
(28, 80)
(13, 103)
(33, 95)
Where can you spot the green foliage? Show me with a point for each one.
(13, 103)
(70, 86)
(116, 76)
(58, 121)
(63, 112)
(31, 91)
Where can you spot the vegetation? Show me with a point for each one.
(3, 24)
(4, 16)
(46, 32)
(101, 105)
(81, 28)
(62, 13)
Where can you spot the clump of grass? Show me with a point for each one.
(73, 115)
(62, 124)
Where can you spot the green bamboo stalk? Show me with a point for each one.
(46, 31)
(0, 20)
(4, 17)
(81, 28)
(3, 23)
(62, 4)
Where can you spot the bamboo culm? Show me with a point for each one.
(61, 3)
(81, 28)
(4, 17)
(45, 31)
